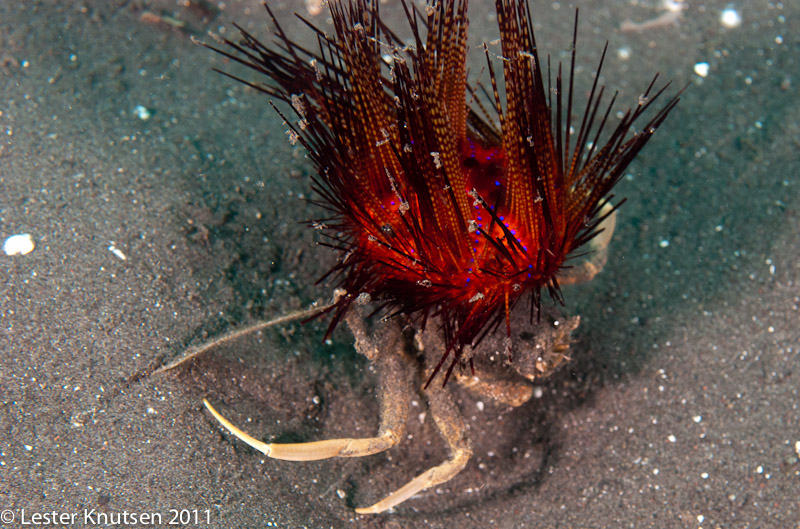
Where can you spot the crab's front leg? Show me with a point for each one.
(451, 426)
(395, 392)
(513, 393)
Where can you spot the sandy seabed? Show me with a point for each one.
(164, 202)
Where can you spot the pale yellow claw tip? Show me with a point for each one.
(394, 499)
(262, 447)
(382, 506)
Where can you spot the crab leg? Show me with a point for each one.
(599, 248)
(238, 333)
(396, 391)
(511, 392)
(452, 429)
(316, 450)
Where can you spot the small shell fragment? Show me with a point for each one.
(20, 244)
(142, 112)
(117, 252)
(730, 18)
(702, 68)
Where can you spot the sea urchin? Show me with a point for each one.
(448, 201)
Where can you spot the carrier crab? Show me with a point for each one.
(453, 204)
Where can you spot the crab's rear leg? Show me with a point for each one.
(598, 247)
(451, 427)
(395, 392)
(244, 331)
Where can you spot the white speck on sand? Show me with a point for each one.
(142, 112)
(116, 251)
(702, 68)
(20, 244)
(730, 18)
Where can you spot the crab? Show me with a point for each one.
(504, 368)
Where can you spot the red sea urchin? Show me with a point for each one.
(444, 211)
(438, 210)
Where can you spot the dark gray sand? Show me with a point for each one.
(680, 408)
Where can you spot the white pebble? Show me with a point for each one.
(730, 18)
(142, 112)
(21, 244)
(702, 68)
(116, 251)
